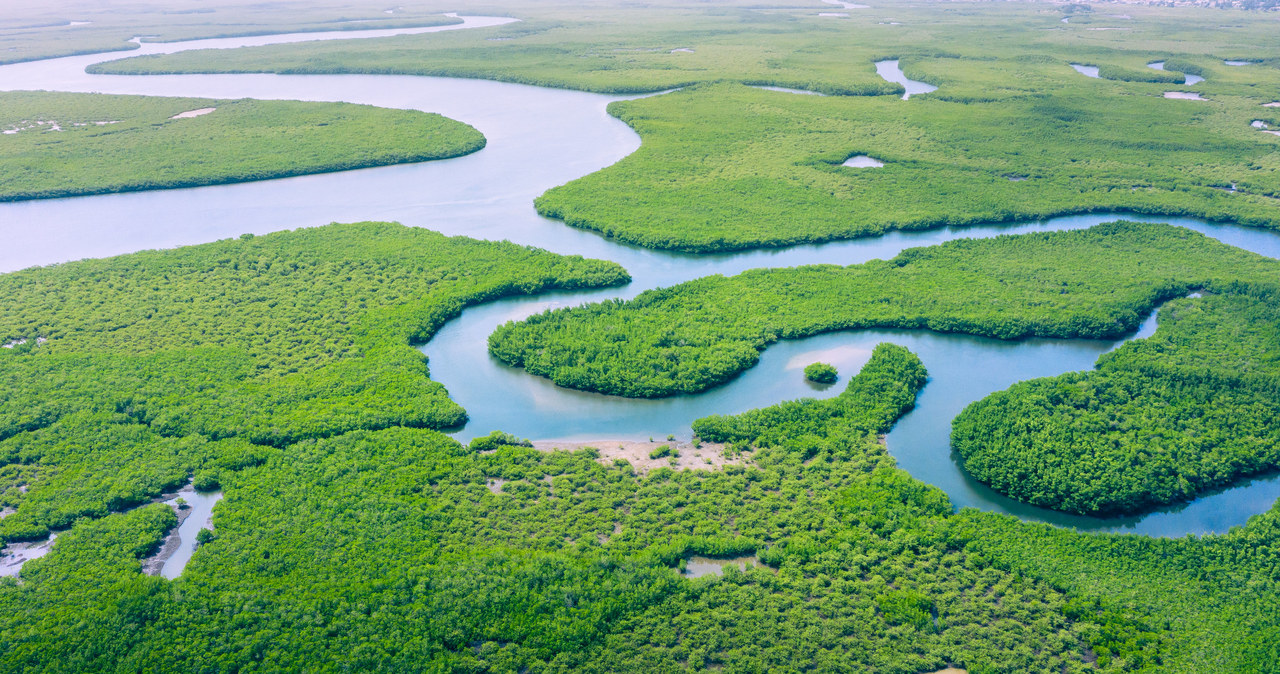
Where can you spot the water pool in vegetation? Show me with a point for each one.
(862, 161)
(1087, 71)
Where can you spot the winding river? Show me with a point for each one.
(539, 138)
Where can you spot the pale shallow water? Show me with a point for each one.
(201, 517)
(539, 138)
(1187, 77)
(890, 72)
(1087, 71)
(862, 161)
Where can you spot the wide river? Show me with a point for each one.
(539, 138)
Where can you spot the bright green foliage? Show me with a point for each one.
(1160, 420)
(822, 373)
(730, 167)
(384, 550)
(1092, 283)
(496, 439)
(907, 607)
(660, 452)
(134, 366)
(878, 394)
(1217, 593)
(108, 144)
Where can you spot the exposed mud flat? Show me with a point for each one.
(172, 541)
(685, 456)
(17, 554)
(176, 550)
(1184, 95)
(698, 566)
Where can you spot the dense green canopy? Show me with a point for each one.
(1161, 420)
(59, 144)
(1094, 283)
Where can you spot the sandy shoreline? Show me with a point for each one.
(172, 541)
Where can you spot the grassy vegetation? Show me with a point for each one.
(994, 51)
(1159, 421)
(74, 144)
(54, 28)
(353, 536)
(1012, 132)
(1094, 283)
(385, 550)
(1216, 593)
(137, 371)
(729, 167)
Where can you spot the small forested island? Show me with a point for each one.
(806, 336)
(821, 373)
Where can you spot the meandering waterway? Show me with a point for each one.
(539, 138)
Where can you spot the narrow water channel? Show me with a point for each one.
(539, 138)
(890, 71)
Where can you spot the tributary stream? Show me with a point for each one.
(539, 138)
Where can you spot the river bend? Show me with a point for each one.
(539, 138)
